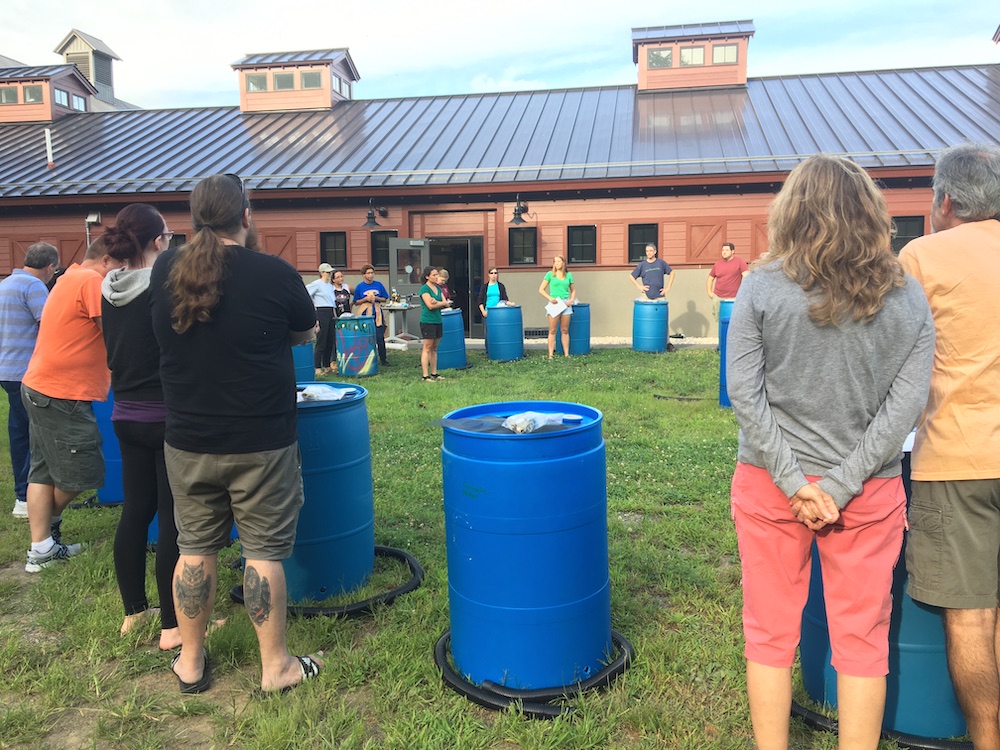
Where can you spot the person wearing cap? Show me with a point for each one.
(324, 299)
(22, 296)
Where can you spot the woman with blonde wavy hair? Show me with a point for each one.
(828, 362)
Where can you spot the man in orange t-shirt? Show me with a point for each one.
(67, 371)
(951, 553)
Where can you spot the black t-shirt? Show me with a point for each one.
(229, 384)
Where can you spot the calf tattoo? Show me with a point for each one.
(256, 596)
(191, 590)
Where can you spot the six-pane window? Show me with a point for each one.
(582, 244)
(640, 235)
(522, 245)
(907, 228)
(333, 248)
(380, 248)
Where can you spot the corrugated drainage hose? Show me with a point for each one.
(357, 608)
(534, 704)
(818, 721)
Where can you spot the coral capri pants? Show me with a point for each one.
(857, 556)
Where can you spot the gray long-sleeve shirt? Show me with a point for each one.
(835, 401)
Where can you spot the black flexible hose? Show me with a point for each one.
(357, 608)
(825, 724)
(532, 703)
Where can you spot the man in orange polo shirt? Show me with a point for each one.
(67, 371)
(951, 555)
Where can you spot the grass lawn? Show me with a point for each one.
(70, 681)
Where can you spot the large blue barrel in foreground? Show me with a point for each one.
(649, 325)
(113, 491)
(920, 699)
(725, 313)
(451, 347)
(527, 547)
(356, 353)
(505, 333)
(335, 542)
(579, 331)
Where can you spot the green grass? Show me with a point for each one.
(71, 681)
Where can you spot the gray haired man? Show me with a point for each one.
(954, 518)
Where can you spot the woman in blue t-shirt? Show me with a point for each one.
(558, 285)
(432, 301)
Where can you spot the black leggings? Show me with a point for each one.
(323, 350)
(144, 479)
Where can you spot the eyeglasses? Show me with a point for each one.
(167, 234)
(494, 273)
(239, 181)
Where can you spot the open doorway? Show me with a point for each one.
(463, 257)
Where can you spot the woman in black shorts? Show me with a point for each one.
(432, 301)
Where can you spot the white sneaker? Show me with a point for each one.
(20, 509)
(59, 553)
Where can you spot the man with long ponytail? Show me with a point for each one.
(225, 317)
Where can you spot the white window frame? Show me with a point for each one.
(78, 103)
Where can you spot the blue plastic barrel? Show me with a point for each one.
(920, 699)
(527, 547)
(113, 492)
(451, 347)
(579, 331)
(356, 353)
(649, 326)
(725, 312)
(335, 542)
(505, 333)
(302, 356)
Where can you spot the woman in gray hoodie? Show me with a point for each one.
(140, 234)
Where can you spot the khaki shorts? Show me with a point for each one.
(953, 548)
(261, 492)
(65, 442)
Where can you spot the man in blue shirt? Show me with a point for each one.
(368, 298)
(649, 275)
(22, 295)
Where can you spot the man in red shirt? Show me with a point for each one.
(727, 274)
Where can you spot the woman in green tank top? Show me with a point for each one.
(558, 285)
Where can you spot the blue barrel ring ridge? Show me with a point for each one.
(335, 540)
(579, 331)
(649, 325)
(528, 579)
(451, 347)
(505, 333)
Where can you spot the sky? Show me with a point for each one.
(179, 53)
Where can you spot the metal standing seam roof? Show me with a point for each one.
(893, 118)
(325, 56)
(689, 31)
